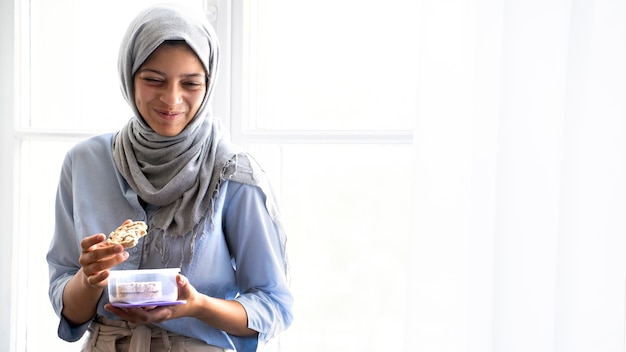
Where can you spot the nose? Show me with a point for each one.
(171, 95)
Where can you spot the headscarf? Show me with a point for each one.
(179, 174)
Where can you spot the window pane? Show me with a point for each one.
(40, 168)
(347, 212)
(325, 65)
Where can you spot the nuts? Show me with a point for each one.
(128, 234)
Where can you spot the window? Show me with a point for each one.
(327, 98)
(322, 93)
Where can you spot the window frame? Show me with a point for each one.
(8, 151)
(241, 119)
(231, 22)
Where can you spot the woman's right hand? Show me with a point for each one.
(97, 257)
(82, 292)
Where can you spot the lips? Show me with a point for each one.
(169, 114)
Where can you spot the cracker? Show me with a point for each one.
(128, 234)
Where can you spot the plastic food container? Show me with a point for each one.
(143, 287)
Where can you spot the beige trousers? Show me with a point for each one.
(120, 336)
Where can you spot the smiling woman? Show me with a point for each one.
(314, 120)
(170, 96)
(206, 201)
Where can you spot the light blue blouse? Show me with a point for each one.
(238, 257)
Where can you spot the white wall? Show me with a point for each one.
(6, 176)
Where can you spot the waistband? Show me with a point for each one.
(107, 333)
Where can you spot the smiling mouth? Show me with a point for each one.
(169, 114)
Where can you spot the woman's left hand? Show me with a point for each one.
(145, 315)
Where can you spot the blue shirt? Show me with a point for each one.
(238, 256)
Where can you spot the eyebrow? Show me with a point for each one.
(187, 75)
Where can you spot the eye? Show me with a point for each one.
(152, 80)
(193, 84)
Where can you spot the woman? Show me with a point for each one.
(208, 208)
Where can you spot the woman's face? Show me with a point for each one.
(169, 88)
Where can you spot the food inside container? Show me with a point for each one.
(143, 287)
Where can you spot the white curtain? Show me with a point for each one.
(520, 164)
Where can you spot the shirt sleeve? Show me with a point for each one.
(259, 259)
(63, 253)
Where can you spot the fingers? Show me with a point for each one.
(181, 280)
(94, 262)
(97, 279)
(97, 258)
(106, 255)
(96, 273)
(91, 241)
(141, 315)
(125, 314)
(185, 290)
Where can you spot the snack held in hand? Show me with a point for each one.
(128, 234)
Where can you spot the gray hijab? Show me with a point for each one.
(180, 174)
